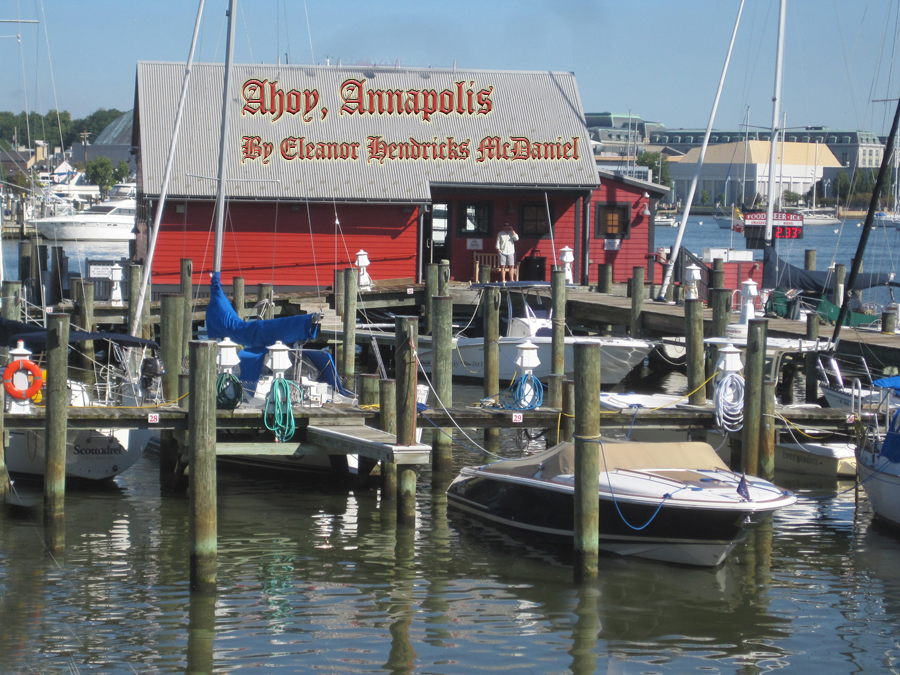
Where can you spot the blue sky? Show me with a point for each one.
(660, 59)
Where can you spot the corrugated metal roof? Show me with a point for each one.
(542, 107)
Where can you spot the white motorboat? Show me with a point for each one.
(665, 221)
(673, 502)
(110, 220)
(525, 316)
(852, 385)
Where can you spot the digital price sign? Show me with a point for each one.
(784, 226)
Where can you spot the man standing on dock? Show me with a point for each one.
(506, 247)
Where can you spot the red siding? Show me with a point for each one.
(275, 243)
(634, 250)
(507, 208)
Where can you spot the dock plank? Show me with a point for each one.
(370, 442)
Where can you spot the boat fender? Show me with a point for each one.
(36, 383)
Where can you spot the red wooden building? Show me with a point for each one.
(410, 165)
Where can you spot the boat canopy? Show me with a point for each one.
(782, 275)
(560, 459)
(254, 336)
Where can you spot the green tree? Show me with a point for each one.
(704, 197)
(100, 172)
(659, 163)
(841, 186)
(790, 197)
(122, 172)
(20, 180)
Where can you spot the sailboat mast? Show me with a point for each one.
(167, 173)
(226, 115)
(673, 257)
(867, 226)
(776, 114)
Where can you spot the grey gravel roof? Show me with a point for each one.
(542, 107)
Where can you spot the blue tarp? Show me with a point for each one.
(889, 383)
(327, 370)
(255, 336)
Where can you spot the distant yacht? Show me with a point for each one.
(818, 217)
(110, 220)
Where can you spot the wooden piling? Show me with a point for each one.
(348, 360)
(558, 325)
(170, 341)
(238, 296)
(444, 278)
(26, 260)
(83, 295)
(604, 278)
(837, 284)
(554, 399)
(337, 290)
(56, 423)
(388, 399)
(754, 372)
(693, 330)
(809, 259)
(406, 340)
(186, 282)
(431, 289)
(11, 308)
(484, 274)
(55, 294)
(202, 430)
(767, 432)
(267, 292)
(717, 275)
(587, 460)
(811, 369)
(368, 388)
(567, 423)
(637, 301)
(442, 379)
(491, 314)
(134, 274)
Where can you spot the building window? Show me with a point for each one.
(533, 219)
(475, 219)
(613, 221)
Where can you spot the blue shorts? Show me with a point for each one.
(507, 260)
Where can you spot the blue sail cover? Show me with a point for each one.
(255, 336)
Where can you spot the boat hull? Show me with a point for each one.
(70, 230)
(880, 479)
(617, 357)
(683, 535)
(90, 455)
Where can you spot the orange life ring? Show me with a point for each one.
(11, 370)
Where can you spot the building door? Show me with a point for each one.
(436, 225)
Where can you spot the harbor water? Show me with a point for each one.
(316, 577)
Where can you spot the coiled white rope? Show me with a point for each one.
(729, 401)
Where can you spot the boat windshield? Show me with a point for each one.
(121, 192)
(529, 305)
(101, 209)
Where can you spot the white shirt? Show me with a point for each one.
(506, 242)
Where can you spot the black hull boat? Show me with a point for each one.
(674, 502)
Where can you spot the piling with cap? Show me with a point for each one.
(442, 378)
(587, 460)
(202, 438)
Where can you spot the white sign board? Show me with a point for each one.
(475, 244)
